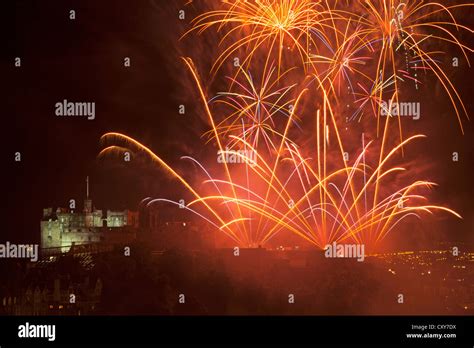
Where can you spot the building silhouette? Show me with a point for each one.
(64, 228)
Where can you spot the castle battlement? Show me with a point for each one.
(62, 228)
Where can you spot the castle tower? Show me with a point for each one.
(88, 217)
(87, 201)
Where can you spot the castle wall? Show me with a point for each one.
(56, 236)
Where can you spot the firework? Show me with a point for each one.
(274, 26)
(402, 33)
(321, 200)
(254, 109)
(336, 42)
(269, 178)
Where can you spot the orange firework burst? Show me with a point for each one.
(403, 32)
(268, 182)
(254, 109)
(335, 42)
(268, 24)
(321, 199)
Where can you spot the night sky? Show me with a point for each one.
(82, 60)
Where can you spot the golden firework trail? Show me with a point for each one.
(335, 40)
(267, 181)
(275, 26)
(318, 201)
(404, 31)
(255, 108)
